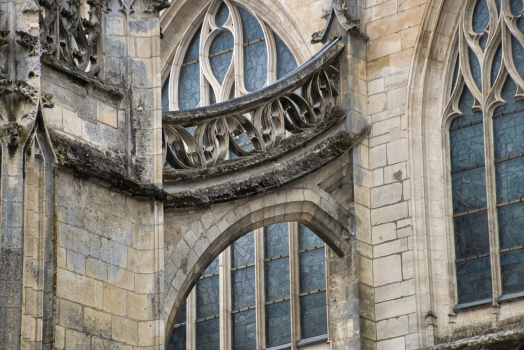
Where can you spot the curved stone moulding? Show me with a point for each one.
(263, 116)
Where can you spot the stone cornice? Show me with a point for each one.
(507, 340)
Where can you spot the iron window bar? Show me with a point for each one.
(244, 309)
(510, 202)
(511, 249)
(472, 258)
(508, 158)
(312, 248)
(210, 275)
(508, 113)
(467, 168)
(223, 52)
(276, 301)
(466, 125)
(276, 257)
(207, 318)
(470, 212)
(180, 325)
(312, 292)
(242, 267)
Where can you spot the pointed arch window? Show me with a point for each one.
(267, 290)
(231, 53)
(485, 115)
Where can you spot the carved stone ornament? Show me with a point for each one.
(342, 15)
(29, 42)
(21, 88)
(13, 133)
(263, 124)
(152, 6)
(3, 37)
(68, 37)
(46, 100)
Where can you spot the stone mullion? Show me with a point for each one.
(328, 310)
(492, 213)
(259, 292)
(294, 283)
(191, 320)
(225, 299)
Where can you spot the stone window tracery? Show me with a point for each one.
(232, 52)
(253, 290)
(485, 122)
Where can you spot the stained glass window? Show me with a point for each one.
(468, 181)
(208, 309)
(249, 70)
(278, 257)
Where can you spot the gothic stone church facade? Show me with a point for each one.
(261, 174)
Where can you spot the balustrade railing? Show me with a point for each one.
(257, 122)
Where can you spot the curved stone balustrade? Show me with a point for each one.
(263, 116)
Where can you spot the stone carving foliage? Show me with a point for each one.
(30, 42)
(21, 88)
(255, 130)
(68, 36)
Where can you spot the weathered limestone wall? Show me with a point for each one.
(393, 28)
(107, 276)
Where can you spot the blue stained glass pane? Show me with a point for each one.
(497, 3)
(232, 93)
(251, 29)
(508, 93)
(312, 270)
(471, 235)
(511, 225)
(223, 41)
(276, 240)
(307, 239)
(520, 24)
(480, 16)
(178, 339)
(474, 280)
(469, 190)
(255, 66)
(244, 330)
(212, 96)
(189, 86)
(207, 297)
(212, 268)
(510, 179)
(475, 68)
(512, 271)
(181, 315)
(278, 323)
(222, 15)
(495, 66)
(516, 7)
(285, 60)
(466, 146)
(193, 49)
(455, 73)
(518, 55)
(220, 65)
(243, 288)
(465, 104)
(244, 250)
(483, 41)
(165, 95)
(509, 135)
(277, 279)
(313, 315)
(208, 335)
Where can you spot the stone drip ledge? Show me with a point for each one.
(288, 145)
(507, 340)
(88, 161)
(78, 74)
(267, 176)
